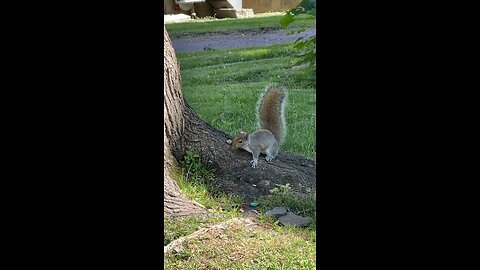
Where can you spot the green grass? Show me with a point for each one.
(241, 247)
(193, 181)
(238, 247)
(223, 87)
(224, 25)
(192, 178)
(300, 204)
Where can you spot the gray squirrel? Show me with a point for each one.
(272, 127)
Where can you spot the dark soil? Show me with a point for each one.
(236, 39)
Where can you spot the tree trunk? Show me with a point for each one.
(175, 205)
(184, 130)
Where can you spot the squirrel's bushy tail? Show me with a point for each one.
(270, 111)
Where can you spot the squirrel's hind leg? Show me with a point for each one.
(270, 154)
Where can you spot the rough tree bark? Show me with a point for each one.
(175, 205)
(184, 130)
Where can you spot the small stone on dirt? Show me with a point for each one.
(264, 183)
(294, 220)
(277, 212)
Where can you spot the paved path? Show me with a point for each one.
(237, 39)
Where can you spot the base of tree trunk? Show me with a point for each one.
(234, 174)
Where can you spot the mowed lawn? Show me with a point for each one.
(223, 87)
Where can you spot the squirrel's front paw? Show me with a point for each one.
(268, 158)
(254, 163)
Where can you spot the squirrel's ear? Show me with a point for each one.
(241, 130)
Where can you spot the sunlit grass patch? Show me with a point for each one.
(223, 87)
(244, 247)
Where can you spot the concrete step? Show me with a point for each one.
(245, 13)
(232, 13)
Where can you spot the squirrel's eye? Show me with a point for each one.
(240, 141)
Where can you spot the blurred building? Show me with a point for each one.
(226, 8)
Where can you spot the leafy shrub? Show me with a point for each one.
(306, 46)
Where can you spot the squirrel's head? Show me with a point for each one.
(239, 140)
